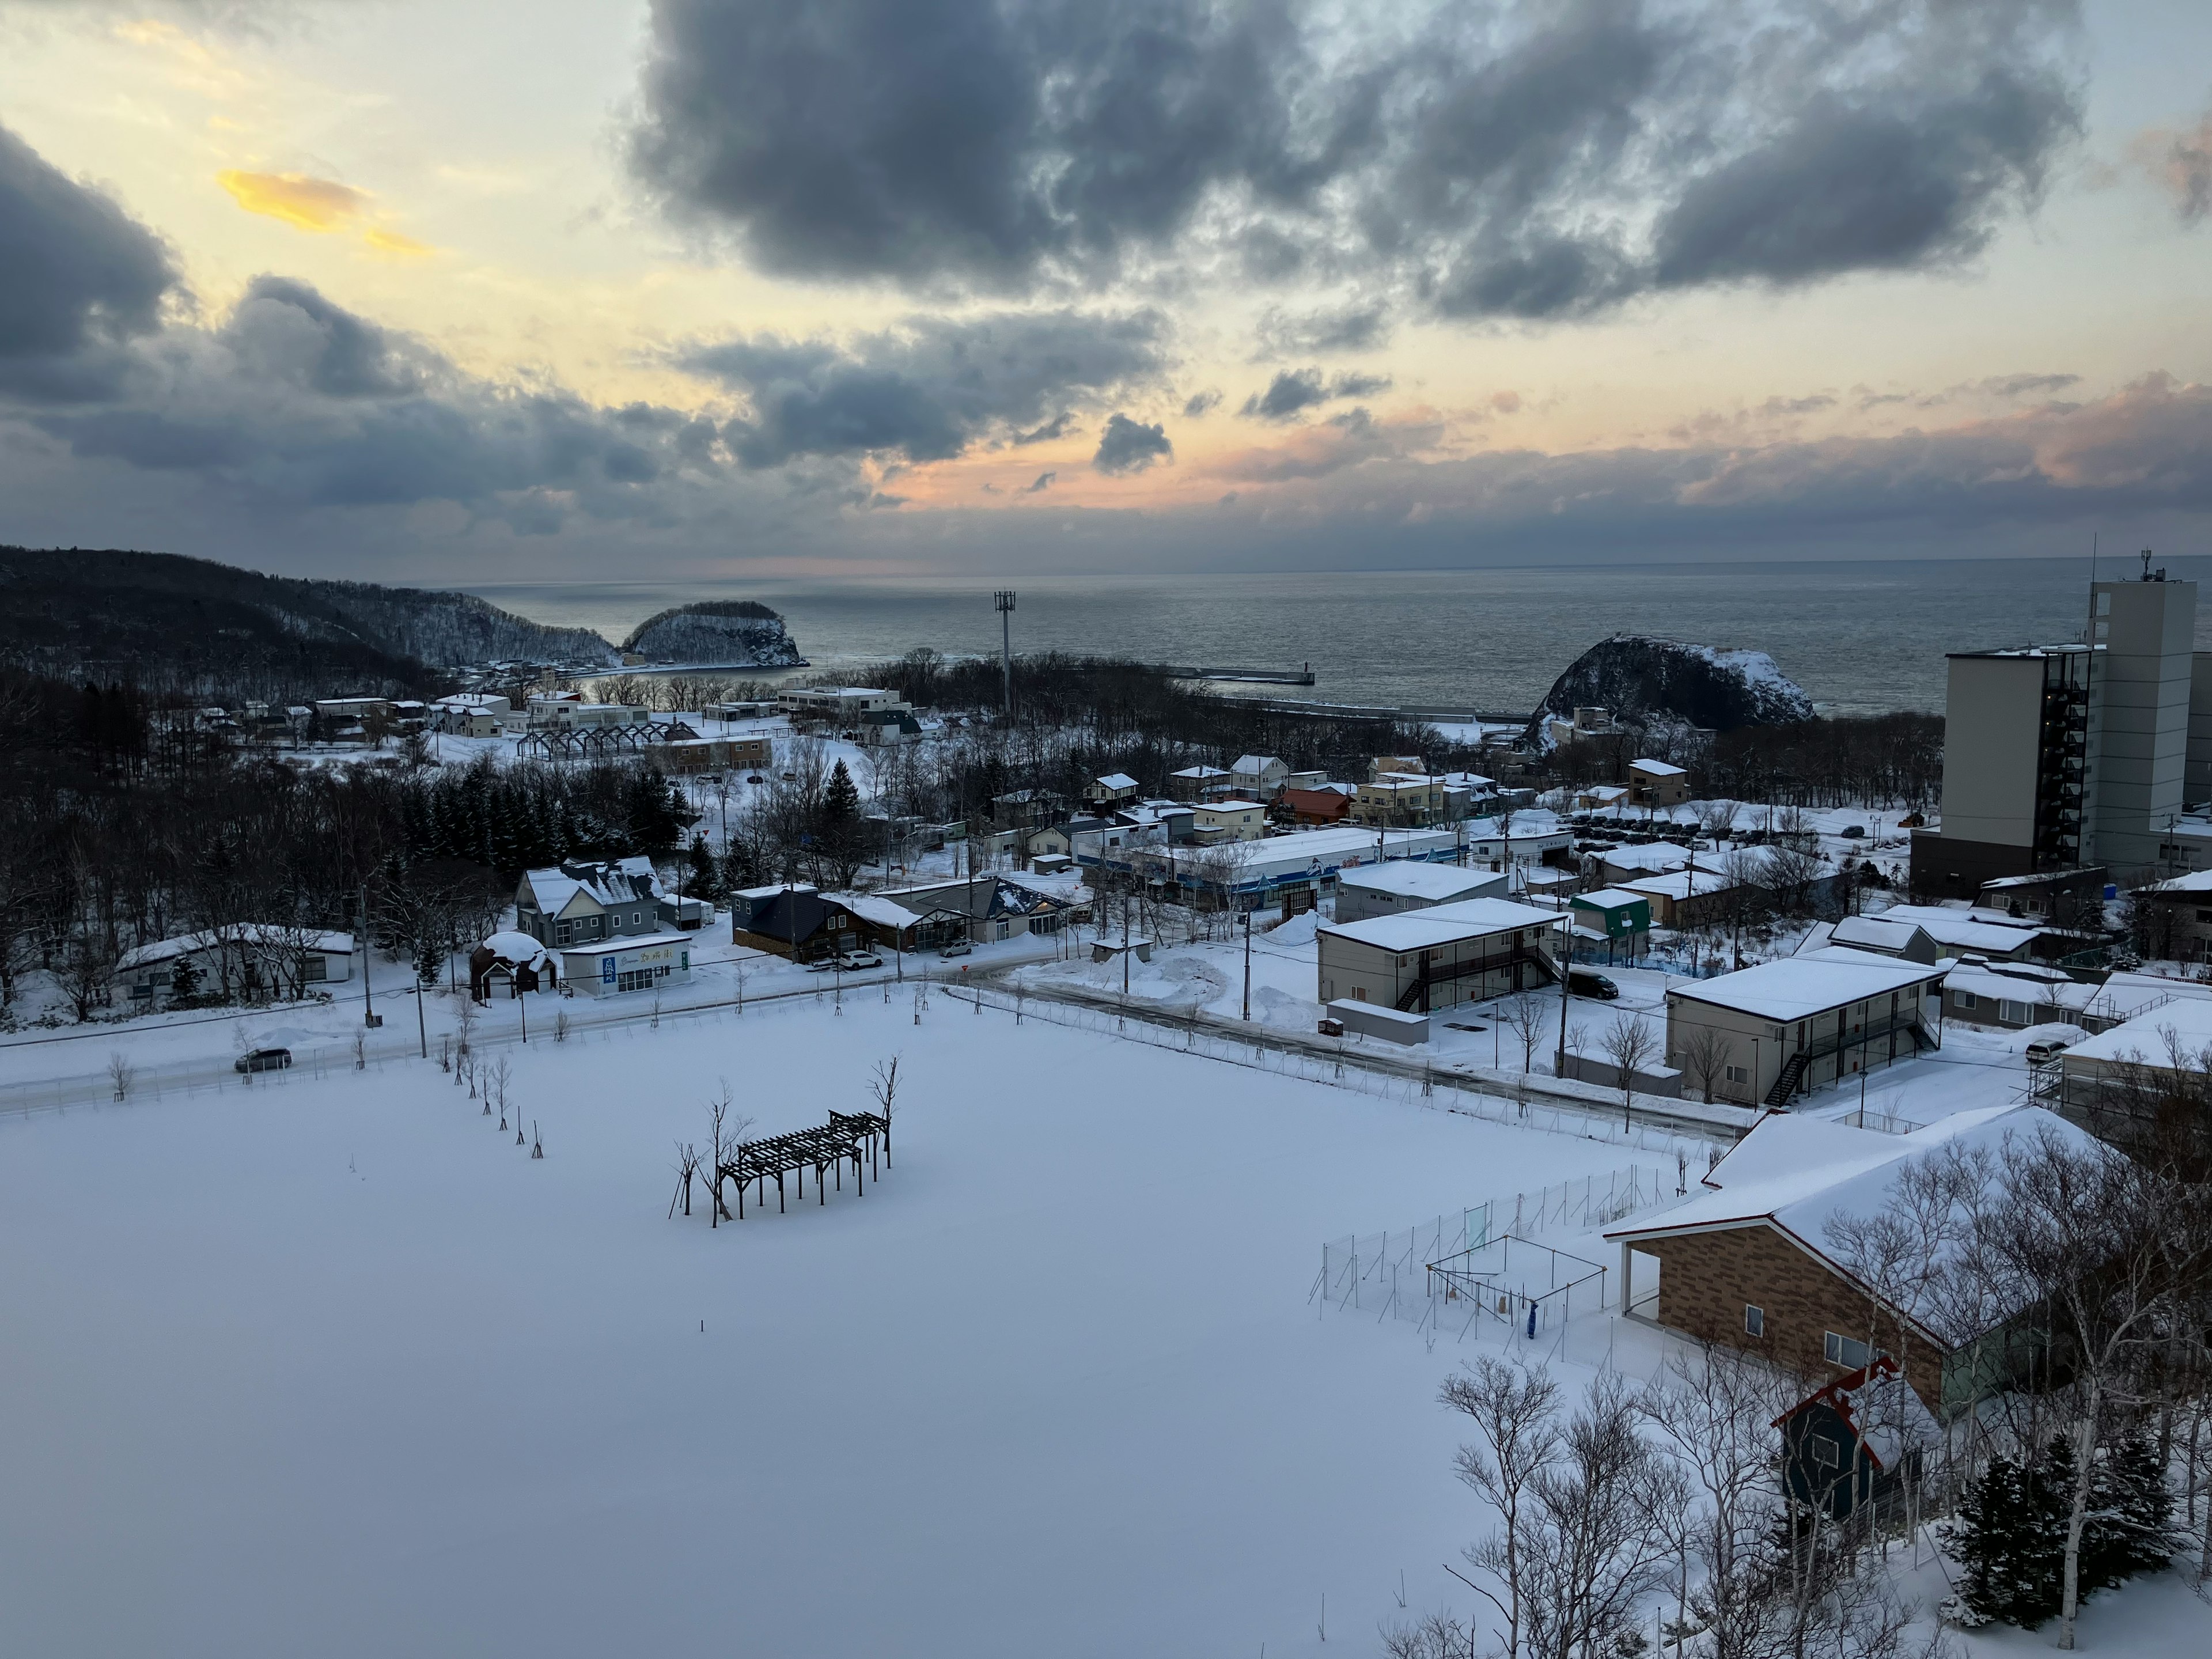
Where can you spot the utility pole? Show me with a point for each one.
(422, 1031)
(1003, 602)
(1247, 964)
(368, 1006)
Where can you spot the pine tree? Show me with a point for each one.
(2130, 1521)
(2009, 1540)
(184, 979)
(700, 879)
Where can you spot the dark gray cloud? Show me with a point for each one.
(1530, 158)
(1293, 391)
(292, 402)
(78, 278)
(1356, 327)
(1200, 404)
(1044, 482)
(1130, 445)
(2180, 164)
(1060, 426)
(930, 389)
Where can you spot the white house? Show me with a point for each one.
(1260, 775)
(1229, 820)
(1385, 890)
(252, 961)
(580, 904)
(616, 966)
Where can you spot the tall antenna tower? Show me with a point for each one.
(1003, 603)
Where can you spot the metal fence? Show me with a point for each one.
(1395, 1274)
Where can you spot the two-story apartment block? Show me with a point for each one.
(1229, 820)
(1401, 799)
(1657, 783)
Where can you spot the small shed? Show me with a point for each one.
(1371, 1019)
(1616, 916)
(515, 960)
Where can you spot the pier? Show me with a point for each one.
(1304, 676)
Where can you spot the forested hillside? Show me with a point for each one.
(166, 624)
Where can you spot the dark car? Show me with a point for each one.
(263, 1060)
(1584, 983)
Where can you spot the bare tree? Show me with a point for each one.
(687, 1167)
(1515, 1411)
(1706, 1056)
(120, 1072)
(725, 1131)
(1629, 1046)
(1529, 1020)
(495, 1088)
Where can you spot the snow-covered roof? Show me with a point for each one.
(1797, 988)
(1658, 768)
(1679, 884)
(773, 888)
(1794, 1172)
(617, 881)
(1255, 762)
(1885, 1412)
(880, 911)
(1612, 898)
(1605, 792)
(1435, 882)
(254, 935)
(1230, 807)
(518, 948)
(1877, 934)
(2186, 1020)
(2060, 993)
(1657, 858)
(2126, 994)
(1965, 930)
(1200, 772)
(1443, 924)
(1116, 780)
(2197, 881)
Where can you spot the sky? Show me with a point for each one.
(468, 292)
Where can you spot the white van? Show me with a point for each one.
(2051, 1042)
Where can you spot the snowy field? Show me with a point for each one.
(332, 1366)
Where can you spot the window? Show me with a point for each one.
(1739, 1074)
(1965, 998)
(1827, 1454)
(1845, 1351)
(1754, 1320)
(634, 979)
(2008, 1010)
(563, 932)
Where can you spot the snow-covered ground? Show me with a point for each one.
(331, 1365)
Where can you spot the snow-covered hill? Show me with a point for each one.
(1644, 681)
(732, 632)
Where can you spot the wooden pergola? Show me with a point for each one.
(860, 1139)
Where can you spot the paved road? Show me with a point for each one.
(81, 1074)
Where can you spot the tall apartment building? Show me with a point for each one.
(2061, 756)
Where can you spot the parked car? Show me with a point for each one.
(2048, 1044)
(263, 1060)
(1854, 832)
(855, 961)
(1584, 983)
(821, 964)
(957, 948)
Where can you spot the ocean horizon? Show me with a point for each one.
(1861, 637)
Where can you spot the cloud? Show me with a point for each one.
(1129, 446)
(1355, 326)
(1506, 403)
(291, 402)
(2180, 164)
(1200, 404)
(1058, 426)
(392, 244)
(82, 278)
(321, 205)
(1044, 482)
(1315, 452)
(931, 388)
(316, 204)
(1534, 158)
(1292, 391)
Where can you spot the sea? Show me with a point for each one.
(1861, 637)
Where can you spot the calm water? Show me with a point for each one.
(1859, 637)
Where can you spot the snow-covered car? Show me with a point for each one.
(821, 964)
(263, 1060)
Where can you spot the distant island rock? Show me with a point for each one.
(725, 633)
(1655, 682)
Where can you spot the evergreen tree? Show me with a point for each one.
(184, 979)
(2009, 1535)
(701, 878)
(2009, 1540)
